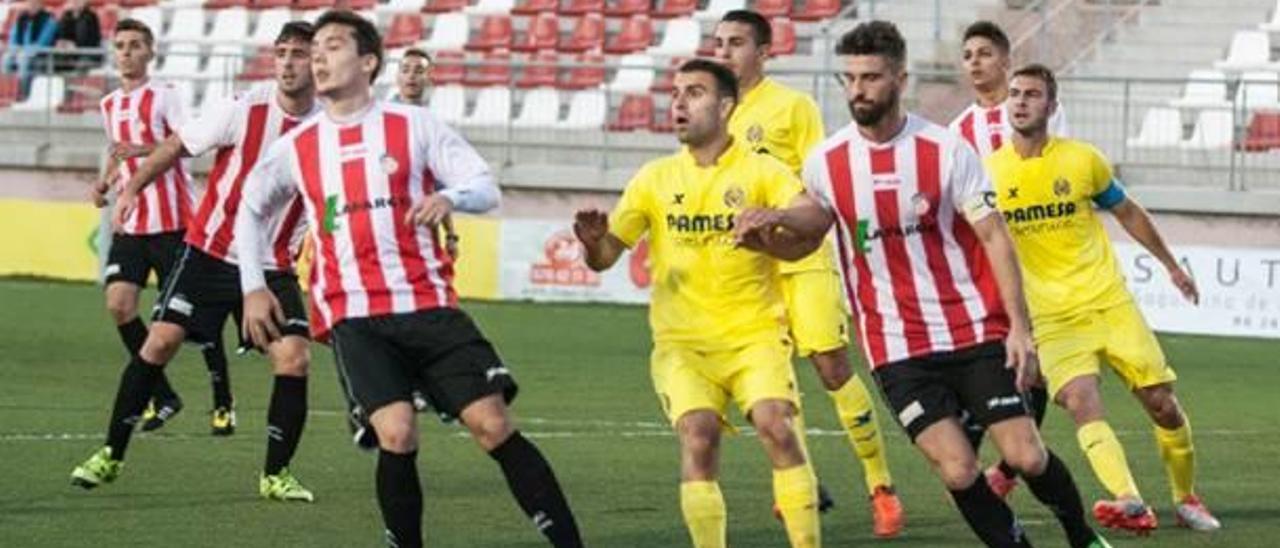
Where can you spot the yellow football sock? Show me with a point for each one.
(1106, 456)
(857, 414)
(1179, 456)
(704, 513)
(795, 491)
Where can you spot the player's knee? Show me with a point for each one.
(122, 308)
(699, 436)
(957, 473)
(833, 369)
(490, 430)
(1029, 460)
(1163, 407)
(777, 432)
(397, 436)
(1082, 401)
(291, 358)
(163, 342)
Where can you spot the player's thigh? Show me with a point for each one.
(198, 295)
(126, 261)
(681, 382)
(1070, 348)
(917, 394)
(815, 310)
(288, 293)
(761, 372)
(466, 369)
(1132, 349)
(373, 370)
(987, 390)
(163, 251)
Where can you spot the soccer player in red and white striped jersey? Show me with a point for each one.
(376, 179)
(931, 273)
(204, 288)
(985, 123)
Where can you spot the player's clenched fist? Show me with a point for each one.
(590, 225)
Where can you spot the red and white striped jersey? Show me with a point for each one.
(987, 129)
(241, 128)
(914, 271)
(358, 179)
(146, 116)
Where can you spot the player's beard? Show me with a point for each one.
(1034, 130)
(872, 115)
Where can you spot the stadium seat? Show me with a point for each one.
(1263, 133)
(1274, 24)
(707, 47)
(635, 74)
(539, 108)
(449, 103)
(405, 30)
(628, 8)
(304, 5)
(361, 6)
(390, 68)
(107, 19)
(260, 67)
(582, 7)
(495, 33)
(784, 36)
(7, 18)
(55, 6)
(543, 33)
(151, 16)
(490, 7)
(224, 62)
(493, 108)
(585, 77)
(663, 123)
(400, 6)
(672, 9)
(83, 94)
(443, 6)
(664, 81)
(225, 4)
(268, 26)
(680, 38)
(587, 35)
(541, 70)
(187, 24)
(636, 112)
(448, 32)
(1161, 128)
(448, 68)
(1258, 91)
(230, 25)
(773, 8)
(1204, 89)
(9, 87)
(717, 8)
(587, 110)
(636, 35)
(1215, 129)
(1250, 50)
(181, 61)
(45, 93)
(533, 7)
(496, 70)
(816, 10)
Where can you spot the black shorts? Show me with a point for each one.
(439, 351)
(133, 258)
(925, 390)
(203, 292)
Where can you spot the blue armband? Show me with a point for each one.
(1111, 197)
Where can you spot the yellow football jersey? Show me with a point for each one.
(707, 292)
(1048, 202)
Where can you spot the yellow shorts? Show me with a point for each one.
(1073, 347)
(815, 309)
(687, 379)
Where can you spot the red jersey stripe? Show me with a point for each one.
(396, 138)
(841, 174)
(996, 324)
(364, 240)
(307, 149)
(928, 171)
(280, 248)
(901, 276)
(248, 157)
(162, 183)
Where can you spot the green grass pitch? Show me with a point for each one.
(587, 402)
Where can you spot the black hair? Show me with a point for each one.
(874, 38)
(368, 41)
(417, 52)
(1045, 74)
(296, 30)
(990, 31)
(726, 82)
(137, 26)
(761, 30)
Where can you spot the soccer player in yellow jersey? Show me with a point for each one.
(784, 123)
(716, 311)
(1082, 313)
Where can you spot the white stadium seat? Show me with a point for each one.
(1204, 89)
(1259, 91)
(1161, 128)
(680, 38)
(1250, 50)
(449, 103)
(635, 74)
(586, 110)
(493, 108)
(1215, 129)
(540, 108)
(448, 32)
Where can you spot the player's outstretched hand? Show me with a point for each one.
(590, 225)
(98, 193)
(429, 212)
(1185, 284)
(752, 224)
(124, 206)
(1020, 355)
(262, 317)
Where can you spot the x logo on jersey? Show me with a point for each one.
(678, 199)
(1013, 193)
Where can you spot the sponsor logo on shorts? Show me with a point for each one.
(112, 269)
(910, 413)
(1007, 401)
(180, 304)
(296, 322)
(495, 371)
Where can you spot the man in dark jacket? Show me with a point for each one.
(35, 28)
(78, 29)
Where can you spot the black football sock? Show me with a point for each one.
(989, 517)
(133, 333)
(286, 416)
(215, 358)
(137, 382)
(400, 498)
(536, 490)
(1056, 490)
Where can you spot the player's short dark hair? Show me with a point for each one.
(296, 30)
(761, 30)
(726, 82)
(1044, 74)
(874, 38)
(990, 31)
(368, 41)
(137, 26)
(416, 52)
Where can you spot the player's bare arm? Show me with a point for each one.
(450, 237)
(125, 151)
(1138, 223)
(1020, 345)
(591, 226)
(158, 161)
(430, 212)
(769, 231)
(98, 192)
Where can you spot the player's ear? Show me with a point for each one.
(727, 104)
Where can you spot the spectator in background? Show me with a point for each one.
(78, 29)
(35, 28)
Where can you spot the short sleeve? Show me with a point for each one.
(814, 178)
(215, 127)
(1107, 192)
(809, 132)
(451, 158)
(781, 185)
(630, 217)
(970, 187)
(175, 115)
(269, 185)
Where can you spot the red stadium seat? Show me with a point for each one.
(585, 77)
(405, 30)
(260, 67)
(272, 4)
(582, 7)
(83, 94)
(636, 35)
(495, 33)
(9, 19)
(672, 9)
(587, 35)
(1263, 133)
(448, 68)
(663, 123)
(123, 4)
(627, 8)
(636, 112)
(224, 4)
(784, 36)
(773, 8)
(303, 5)
(443, 6)
(357, 5)
(707, 47)
(817, 10)
(8, 90)
(541, 75)
(498, 74)
(543, 33)
(107, 18)
(664, 82)
(533, 7)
